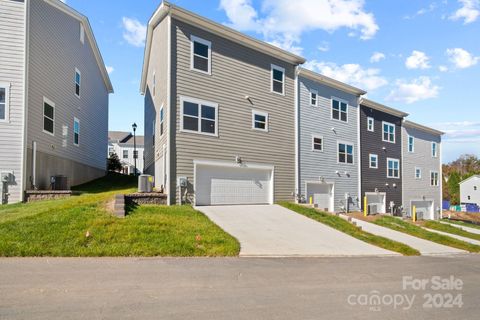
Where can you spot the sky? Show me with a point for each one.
(422, 57)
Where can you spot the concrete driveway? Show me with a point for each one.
(271, 230)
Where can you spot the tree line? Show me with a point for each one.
(464, 167)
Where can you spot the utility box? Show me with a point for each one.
(145, 183)
(59, 182)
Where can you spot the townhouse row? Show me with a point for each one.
(233, 120)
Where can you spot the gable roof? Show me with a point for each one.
(89, 35)
(383, 108)
(330, 82)
(118, 136)
(139, 141)
(470, 178)
(181, 14)
(414, 125)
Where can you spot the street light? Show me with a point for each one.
(135, 154)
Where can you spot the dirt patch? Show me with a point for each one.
(468, 217)
(360, 216)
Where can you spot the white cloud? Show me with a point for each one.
(418, 89)
(324, 47)
(377, 57)
(418, 60)
(134, 32)
(461, 58)
(241, 14)
(368, 79)
(110, 69)
(469, 11)
(443, 68)
(460, 131)
(422, 11)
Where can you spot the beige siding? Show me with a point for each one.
(55, 52)
(237, 71)
(12, 56)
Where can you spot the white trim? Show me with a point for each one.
(154, 84)
(332, 196)
(50, 103)
(346, 153)
(415, 173)
(275, 67)
(314, 92)
(25, 87)
(394, 131)
(161, 115)
(6, 86)
(79, 84)
(436, 149)
(169, 175)
(207, 43)
(317, 136)
(384, 194)
(408, 144)
(200, 103)
(340, 101)
(331, 83)
(359, 152)
(297, 137)
(76, 120)
(432, 208)
(260, 113)
(370, 160)
(438, 178)
(368, 124)
(399, 173)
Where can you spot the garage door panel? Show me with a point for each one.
(322, 195)
(424, 209)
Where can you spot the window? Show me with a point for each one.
(313, 98)
(161, 121)
(76, 131)
(78, 81)
(201, 59)
(317, 143)
(434, 178)
(259, 120)
(468, 197)
(345, 153)
(418, 173)
(370, 124)
(373, 161)
(4, 99)
(48, 116)
(339, 110)
(475, 188)
(199, 116)
(82, 33)
(388, 132)
(434, 150)
(111, 151)
(411, 144)
(278, 79)
(154, 130)
(125, 154)
(393, 168)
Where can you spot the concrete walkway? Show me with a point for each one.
(464, 239)
(271, 230)
(468, 229)
(424, 246)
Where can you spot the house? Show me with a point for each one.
(470, 190)
(381, 157)
(54, 90)
(329, 166)
(421, 170)
(123, 144)
(219, 112)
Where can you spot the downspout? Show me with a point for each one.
(359, 112)
(297, 137)
(25, 99)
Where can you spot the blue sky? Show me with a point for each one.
(422, 57)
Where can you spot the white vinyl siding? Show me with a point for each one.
(388, 132)
(393, 168)
(201, 55)
(278, 79)
(199, 116)
(259, 120)
(48, 116)
(4, 100)
(339, 110)
(76, 131)
(373, 159)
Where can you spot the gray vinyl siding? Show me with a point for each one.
(12, 44)
(237, 71)
(467, 189)
(317, 121)
(372, 144)
(55, 52)
(416, 189)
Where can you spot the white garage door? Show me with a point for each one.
(376, 202)
(424, 209)
(221, 185)
(321, 194)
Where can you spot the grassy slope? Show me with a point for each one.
(416, 231)
(354, 231)
(59, 228)
(435, 225)
(461, 223)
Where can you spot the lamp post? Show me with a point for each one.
(135, 155)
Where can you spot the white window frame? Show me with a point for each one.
(346, 153)
(316, 136)
(123, 154)
(370, 124)
(437, 181)
(194, 39)
(383, 131)
(275, 67)
(162, 120)
(399, 173)
(154, 132)
(314, 92)
(154, 84)
(76, 120)
(6, 86)
(79, 84)
(434, 154)
(49, 102)
(370, 156)
(260, 113)
(199, 102)
(413, 144)
(82, 33)
(415, 173)
(340, 101)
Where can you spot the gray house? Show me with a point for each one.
(422, 170)
(53, 97)
(219, 112)
(329, 166)
(470, 190)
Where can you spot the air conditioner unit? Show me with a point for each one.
(145, 183)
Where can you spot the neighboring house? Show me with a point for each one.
(329, 142)
(470, 190)
(381, 157)
(122, 143)
(421, 170)
(54, 91)
(219, 112)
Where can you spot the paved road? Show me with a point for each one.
(276, 231)
(230, 288)
(424, 246)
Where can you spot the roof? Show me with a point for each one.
(140, 141)
(89, 34)
(331, 82)
(474, 176)
(181, 14)
(118, 136)
(383, 108)
(414, 125)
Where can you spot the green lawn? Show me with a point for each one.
(461, 223)
(435, 225)
(416, 231)
(350, 229)
(60, 228)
